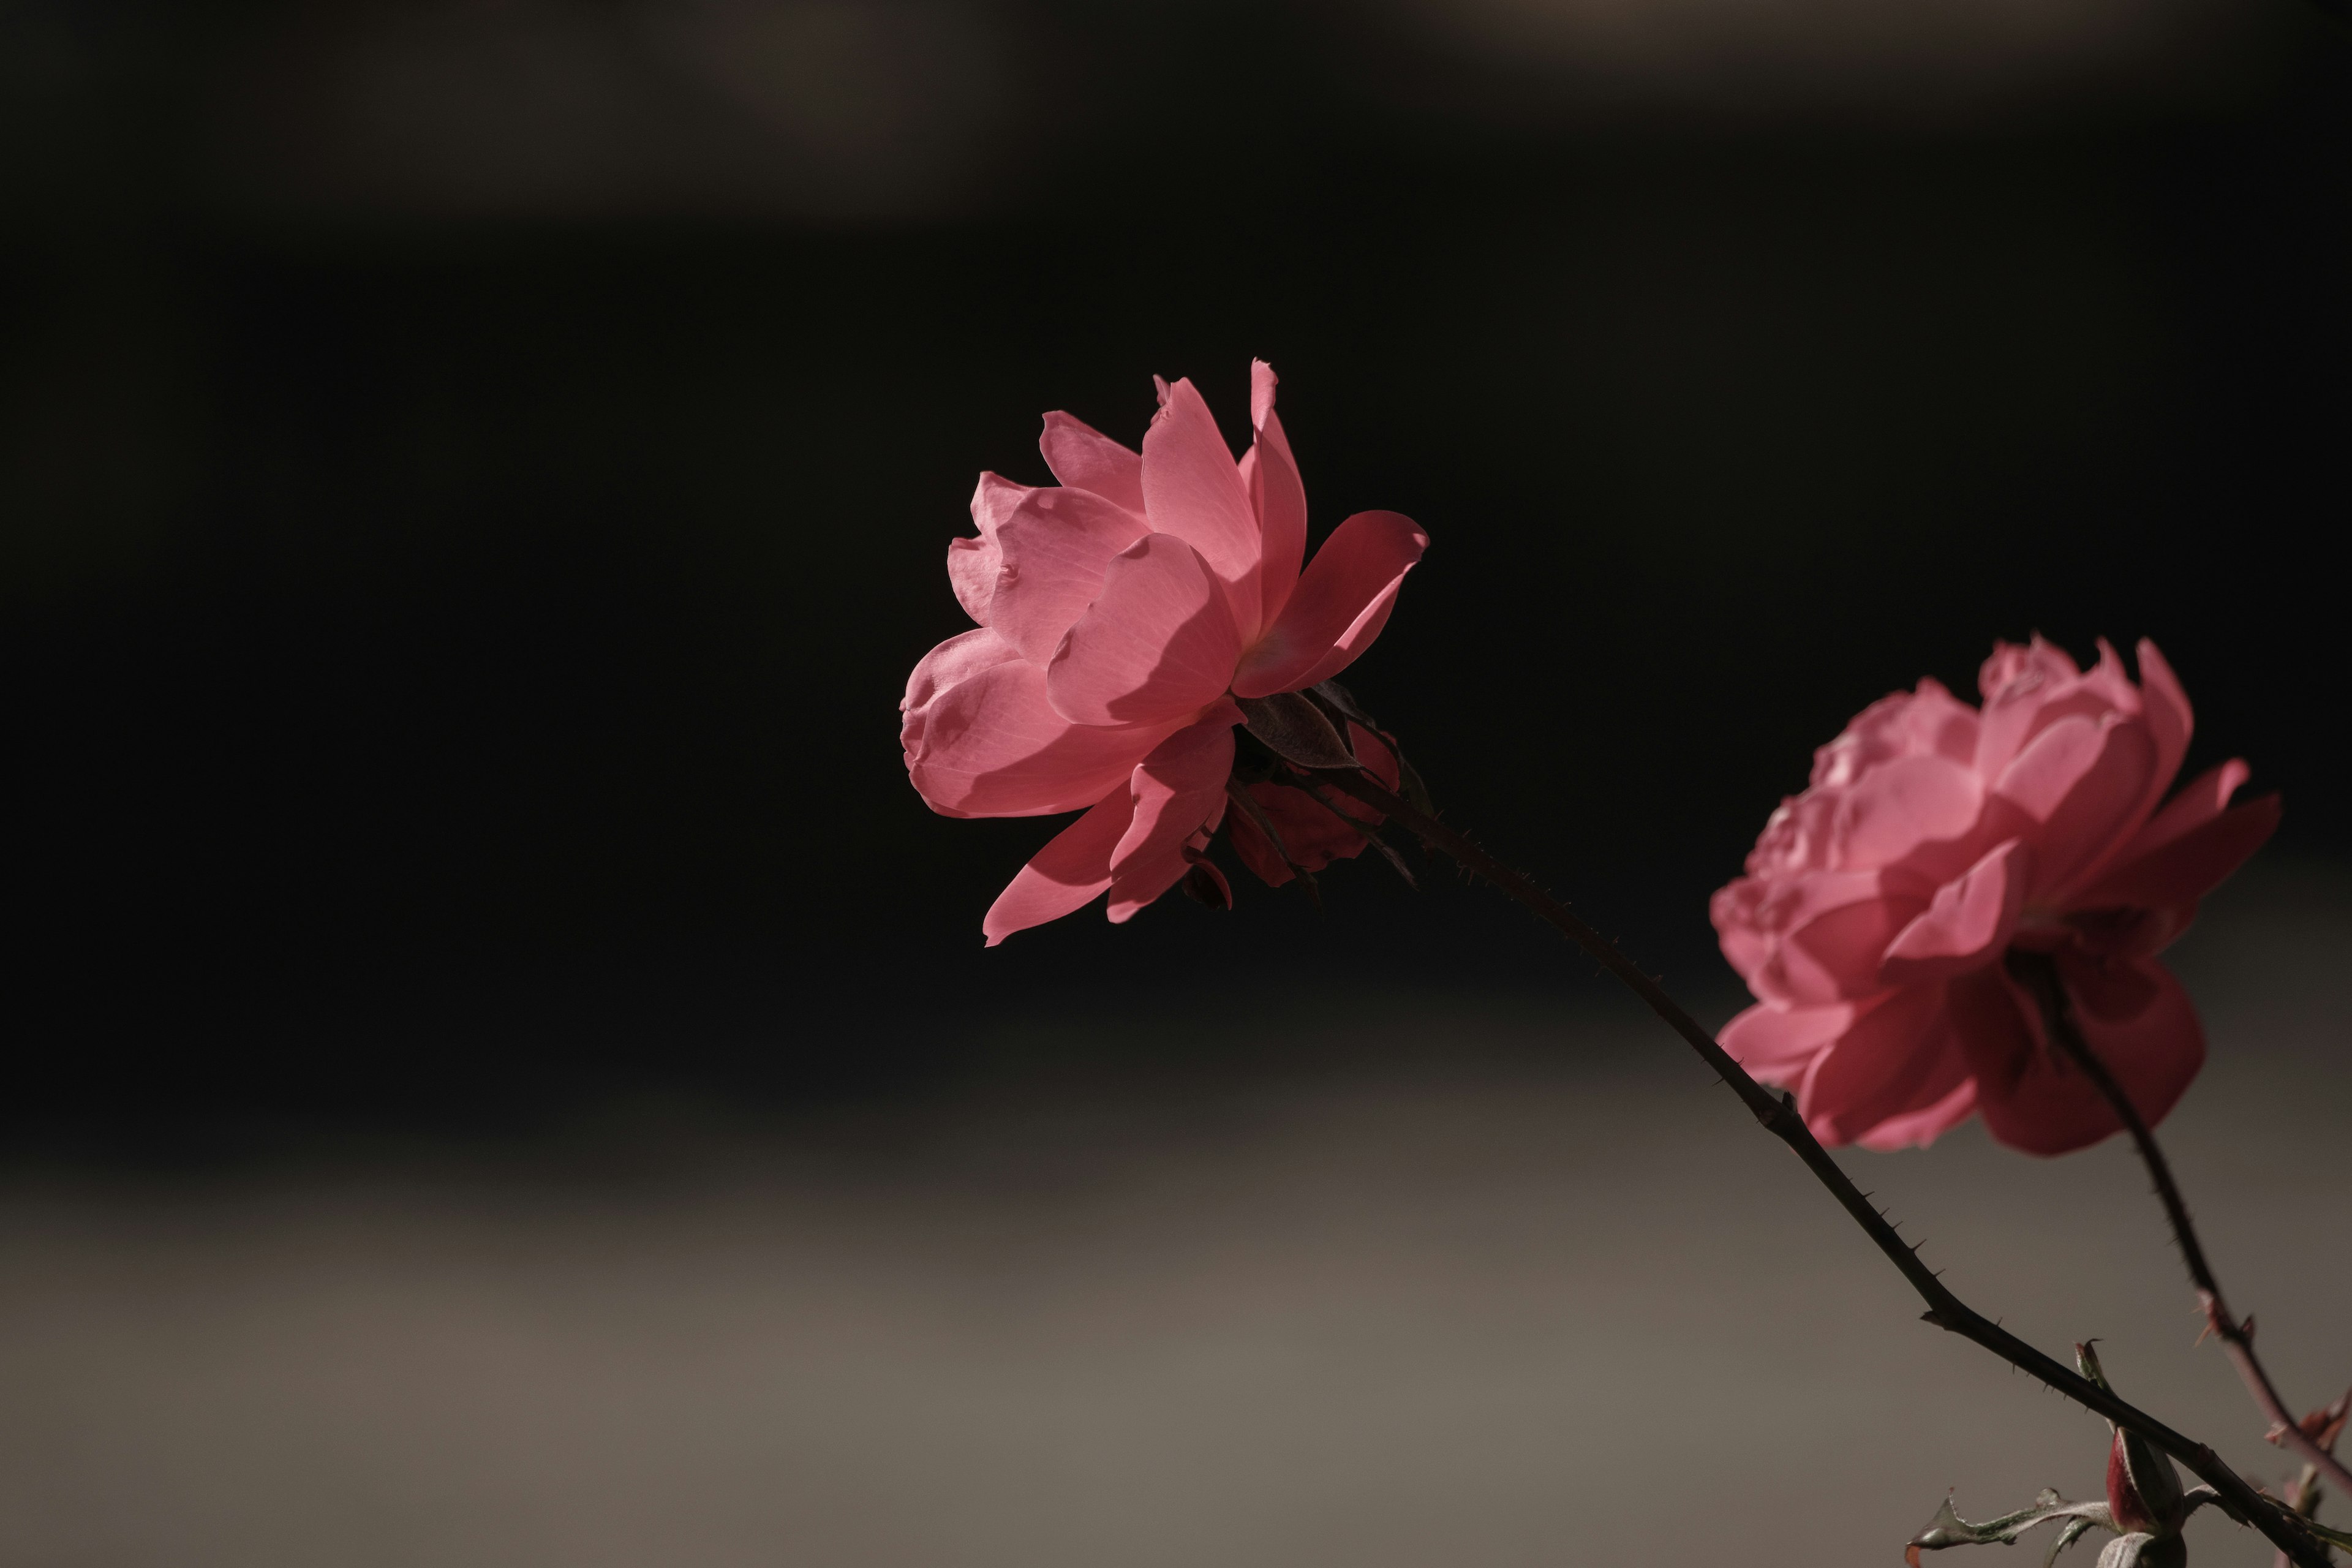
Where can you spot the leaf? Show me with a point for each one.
(2333, 1537)
(1295, 729)
(2139, 1551)
(1204, 884)
(1343, 701)
(1415, 793)
(2076, 1530)
(1948, 1529)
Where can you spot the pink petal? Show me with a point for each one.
(973, 563)
(1157, 644)
(994, 501)
(1777, 1044)
(991, 745)
(1903, 806)
(2170, 720)
(1178, 788)
(1338, 607)
(1732, 909)
(1918, 1128)
(1967, 925)
(1056, 547)
(2017, 683)
(1071, 868)
(1899, 1057)
(1815, 939)
(2074, 791)
(2188, 849)
(1084, 459)
(1837, 955)
(972, 568)
(1278, 498)
(2033, 1099)
(954, 661)
(1929, 722)
(1192, 489)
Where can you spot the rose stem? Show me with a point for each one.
(1777, 1114)
(2040, 973)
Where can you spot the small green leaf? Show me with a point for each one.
(1948, 1529)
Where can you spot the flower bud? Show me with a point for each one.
(2143, 1489)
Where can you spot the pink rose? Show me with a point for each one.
(1896, 916)
(1122, 611)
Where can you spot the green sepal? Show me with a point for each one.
(1948, 1529)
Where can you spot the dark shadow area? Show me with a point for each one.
(454, 641)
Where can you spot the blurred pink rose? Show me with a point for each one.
(1120, 612)
(1894, 914)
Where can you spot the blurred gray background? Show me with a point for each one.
(1471, 1280)
(501, 1070)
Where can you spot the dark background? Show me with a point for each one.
(475, 478)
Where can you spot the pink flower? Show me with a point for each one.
(1897, 916)
(1122, 611)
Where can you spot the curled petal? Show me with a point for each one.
(973, 563)
(1278, 498)
(1157, 645)
(1066, 875)
(1338, 607)
(1084, 459)
(1192, 489)
(1968, 924)
(952, 663)
(1056, 547)
(972, 568)
(1178, 789)
(992, 745)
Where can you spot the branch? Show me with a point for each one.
(2039, 974)
(1777, 1114)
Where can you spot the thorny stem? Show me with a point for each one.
(2236, 1335)
(1777, 1114)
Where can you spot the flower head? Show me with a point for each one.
(1958, 885)
(1121, 614)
